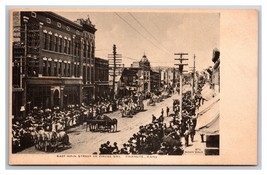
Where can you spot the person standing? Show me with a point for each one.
(162, 112)
(167, 111)
(186, 137)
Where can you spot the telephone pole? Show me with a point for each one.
(193, 76)
(181, 67)
(114, 66)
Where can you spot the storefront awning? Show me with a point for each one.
(208, 118)
(211, 128)
(207, 93)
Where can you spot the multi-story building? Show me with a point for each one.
(144, 75)
(139, 77)
(53, 60)
(154, 81)
(101, 78)
(169, 76)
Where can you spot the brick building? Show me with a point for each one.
(139, 77)
(53, 60)
(101, 77)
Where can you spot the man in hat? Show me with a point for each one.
(167, 111)
(115, 148)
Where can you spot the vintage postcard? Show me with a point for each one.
(133, 86)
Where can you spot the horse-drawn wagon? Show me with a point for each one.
(50, 140)
(102, 123)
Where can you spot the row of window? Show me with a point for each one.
(101, 75)
(59, 69)
(53, 68)
(48, 20)
(64, 45)
(146, 75)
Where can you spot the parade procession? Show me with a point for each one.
(78, 89)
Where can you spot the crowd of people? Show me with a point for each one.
(130, 105)
(24, 129)
(153, 138)
(159, 137)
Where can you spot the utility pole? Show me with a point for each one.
(181, 67)
(193, 76)
(159, 78)
(114, 67)
(24, 85)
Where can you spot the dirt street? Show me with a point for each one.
(83, 142)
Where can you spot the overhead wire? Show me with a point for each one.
(139, 32)
(148, 32)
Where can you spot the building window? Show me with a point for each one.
(44, 68)
(33, 14)
(74, 69)
(69, 69)
(84, 49)
(49, 42)
(49, 68)
(55, 69)
(60, 45)
(65, 69)
(64, 45)
(89, 52)
(48, 20)
(74, 46)
(78, 49)
(60, 68)
(45, 40)
(68, 28)
(68, 46)
(59, 24)
(56, 43)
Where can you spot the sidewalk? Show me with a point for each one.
(195, 148)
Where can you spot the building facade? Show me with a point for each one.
(169, 76)
(55, 59)
(154, 81)
(139, 78)
(215, 78)
(101, 78)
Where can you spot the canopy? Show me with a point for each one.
(207, 93)
(208, 118)
(211, 128)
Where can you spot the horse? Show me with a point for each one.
(62, 138)
(102, 122)
(113, 124)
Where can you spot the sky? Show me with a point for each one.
(158, 35)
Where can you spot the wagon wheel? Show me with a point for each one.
(45, 146)
(36, 144)
(41, 144)
(54, 141)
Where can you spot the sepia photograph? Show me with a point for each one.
(121, 86)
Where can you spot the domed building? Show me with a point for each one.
(144, 62)
(139, 78)
(144, 74)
